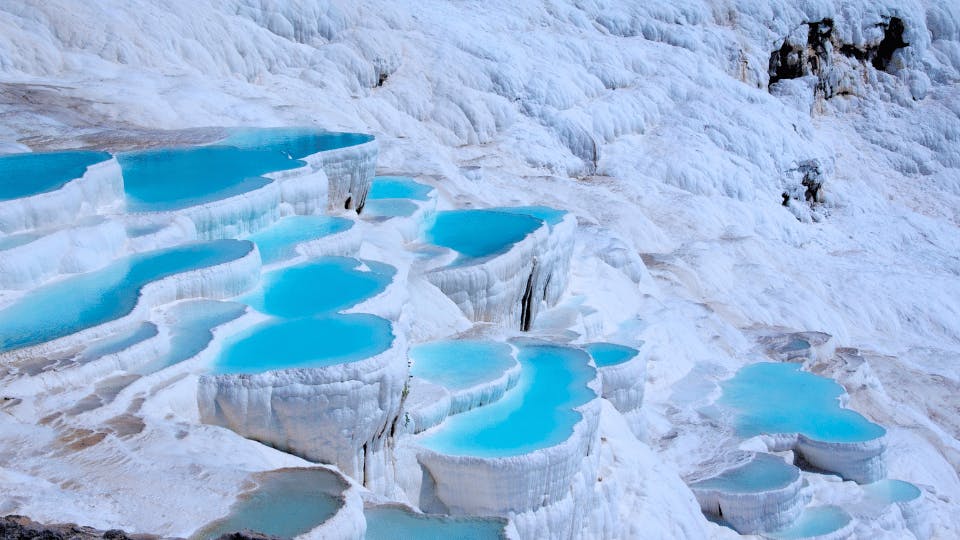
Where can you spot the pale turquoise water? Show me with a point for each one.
(551, 216)
(815, 521)
(23, 175)
(296, 142)
(460, 364)
(390, 208)
(609, 354)
(398, 187)
(891, 491)
(763, 473)
(391, 523)
(118, 342)
(305, 343)
(480, 233)
(781, 398)
(279, 241)
(286, 504)
(321, 285)
(192, 330)
(86, 300)
(537, 413)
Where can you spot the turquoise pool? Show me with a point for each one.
(192, 330)
(609, 354)
(551, 216)
(295, 142)
(461, 364)
(891, 491)
(762, 473)
(781, 398)
(392, 523)
(480, 233)
(321, 285)
(537, 413)
(310, 342)
(23, 175)
(398, 187)
(279, 241)
(87, 300)
(287, 503)
(815, 521)
(390, 208)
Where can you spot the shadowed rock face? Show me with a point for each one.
(23, 528)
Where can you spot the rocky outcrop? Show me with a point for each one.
(23, 528)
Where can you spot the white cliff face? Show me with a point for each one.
(350, 171)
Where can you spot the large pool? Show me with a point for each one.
(87, 300)
(23, 175)
(322, 285)
(390, 523)
(609, 354)
(781, 398)
(480, 233)
(815, 521)
(762, 473)
(537, 413)
(286, 504)
(310, 342)
(461, 364)
(279, 241)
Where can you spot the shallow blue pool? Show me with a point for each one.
(891, 491)
(551, 216)
(781, 398)
(118, 342)
(86, 300)
(762, 473)
(392, 523)
(321, 285)
(192, 330)
(815, 521)
(286, 504)
(310, 342)
(279, 241)
(398, 187)
(609, 354)
(23, 175)
(480, 233)
(461, 364)
(537, 413)
(390, 208)
(295, 142)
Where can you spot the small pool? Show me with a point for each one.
(390, 523)
(762, 473)
(537, 413)
(286, 504)
(461, 364)
(87, 300)
(781, 398)
(322, 285)
(192, 329)
(891, 491)
(551, 216)
(398, 187)
(390, 208)
(23, 175)
(815, 521)
(610, 354)
(480, 233)
(279, 241)
(310, 342)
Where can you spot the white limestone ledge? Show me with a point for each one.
(863, 462)
(623, 384)
(98, 191)
(511, 288)
(349, 171)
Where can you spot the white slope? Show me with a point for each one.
(650, 121)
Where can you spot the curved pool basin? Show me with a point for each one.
(815, 521)
(192, 330)
(610, 354)
(781, 398)
(87, 300)
(891, 491)
(480, 233)
(551, 216)
(762, 473)
(398, 187)
(537, 413)
(461, 364)
(279, 241)
(390, 522)
(390, 208)
(310, 342)
(23, 175)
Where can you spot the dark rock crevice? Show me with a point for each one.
(526, 302)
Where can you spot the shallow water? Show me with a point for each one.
(192, 330)
(461, 364)
(279, 241)
(118, 342)
(287, 503)
(310, 342)
(781, 398)
(391, 523)
(23, 175)
(398, 187)
(321, 285)
(480, 233)
(551, 216)
(389, 208)
(815, 521)
(609, 354)
(537, 413)
(762, 473)
(87, 300)
(891, 491)
(295, 142)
